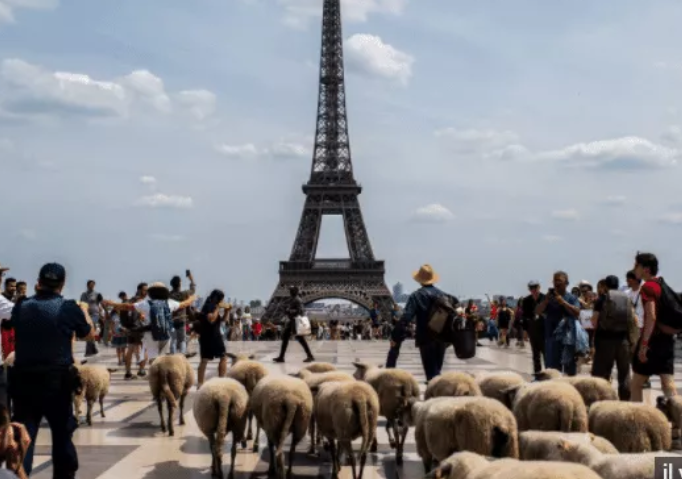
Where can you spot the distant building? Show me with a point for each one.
(398, 291)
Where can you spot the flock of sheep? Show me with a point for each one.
(493, 425)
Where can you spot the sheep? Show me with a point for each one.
(319, 367)
(672, 408)
(452, 384)
(282, 405)
(94, 386)
(248, 373)
(541, 445)
(478, 424)
(548, 374)
(171, 377)
(395, 388)
(494, 385)
(468, 466)
(345, 411)
(590, 388)
(314, 380)
(548, 406)
(221, 407)
(610, 466)
(631, 427)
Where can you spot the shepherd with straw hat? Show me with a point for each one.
(417, 309)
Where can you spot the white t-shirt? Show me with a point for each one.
(639, 305)
(142, 307)
(586, 318)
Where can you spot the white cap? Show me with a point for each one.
(585, 283)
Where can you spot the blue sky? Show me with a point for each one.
(498, 141)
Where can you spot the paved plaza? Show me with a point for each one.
(129, 444)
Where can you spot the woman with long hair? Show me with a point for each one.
(211, 344)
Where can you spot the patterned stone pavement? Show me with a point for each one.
(128, 442)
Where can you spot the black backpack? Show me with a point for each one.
(670, 308)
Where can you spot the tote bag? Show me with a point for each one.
(302, 326)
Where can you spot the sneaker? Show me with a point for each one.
(128, 376)
(308, 360)
(278, 360)
(141, 373)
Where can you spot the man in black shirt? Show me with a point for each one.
(42, 379)
(535, 324)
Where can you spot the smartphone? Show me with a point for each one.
(187, 273)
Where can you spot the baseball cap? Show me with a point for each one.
(533, 284)
(52, 273)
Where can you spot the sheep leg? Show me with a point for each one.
(351, 458)
(292, 451)
(375, 446)
(101, 406)
(88, 413)
(233, 455)
(401, 444)
(313, 436)
(181, 422)
(390, 426)
(214, 463)
(256, 440)
(335, 458)
(159, 406)
(249, 436)
(272, 470)
(171, 428)
(398, 447)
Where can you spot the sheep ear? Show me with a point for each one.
(360, 365)
(563, 445)
(253, 356)
(112, 370)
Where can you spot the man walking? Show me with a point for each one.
(294, 309)
(613, 319)
(93, 299)
(179, 336)
(42, 378)
(418, 309)
(534, 323)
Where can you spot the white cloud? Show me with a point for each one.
(433, 213)
(497, 144)
(369, 55)
(298, 13)
(33, 90)
(282, 149)
(626, 152)
(148, 180)
(201, 104)
(7, 7)
(159, 200)
(674, 218)
(162, 238)
(616, 200)
(568, 215)
(552, 238)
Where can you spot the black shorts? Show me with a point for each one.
(660, 357)
(135, 339)
(503, 323)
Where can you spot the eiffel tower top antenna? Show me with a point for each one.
(331, 155)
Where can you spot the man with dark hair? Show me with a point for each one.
(42, 379)
(179, 335)
(293, 310)
(22, 289)
(558, 305)
(615, 327)
(135, 336)
(93, 299)
(534, 323)
(10, 289)
(655, 351)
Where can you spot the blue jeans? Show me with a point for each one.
(392, 359)
(178, 341)
(47, 395)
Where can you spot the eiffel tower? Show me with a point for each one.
(331, 190)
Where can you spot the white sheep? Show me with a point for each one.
(453, 383)
(631, 427)
(170, 378)
(345, 411)
(248, 373)
(446, 425)
(314, 381)
(220, 407)
(610, 466)
(94, 386)
(591, 389)
(548, 406)
(282, 405)
(495, 384)
(541, 445)
(319, 368)
(395, 389)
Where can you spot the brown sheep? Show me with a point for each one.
(631, 427)
(452, 384)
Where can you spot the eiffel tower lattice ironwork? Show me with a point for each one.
(331, 190)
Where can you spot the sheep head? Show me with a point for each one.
(362, 368)
(664, 404)
(406, 412)
(510, 394)
(240, 357)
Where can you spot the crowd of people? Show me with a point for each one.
(633, 328)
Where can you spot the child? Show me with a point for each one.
(257, 329)
(120, 339)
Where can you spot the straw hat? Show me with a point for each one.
(426, 276)
(158, 290)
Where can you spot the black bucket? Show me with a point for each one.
(464, 341)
